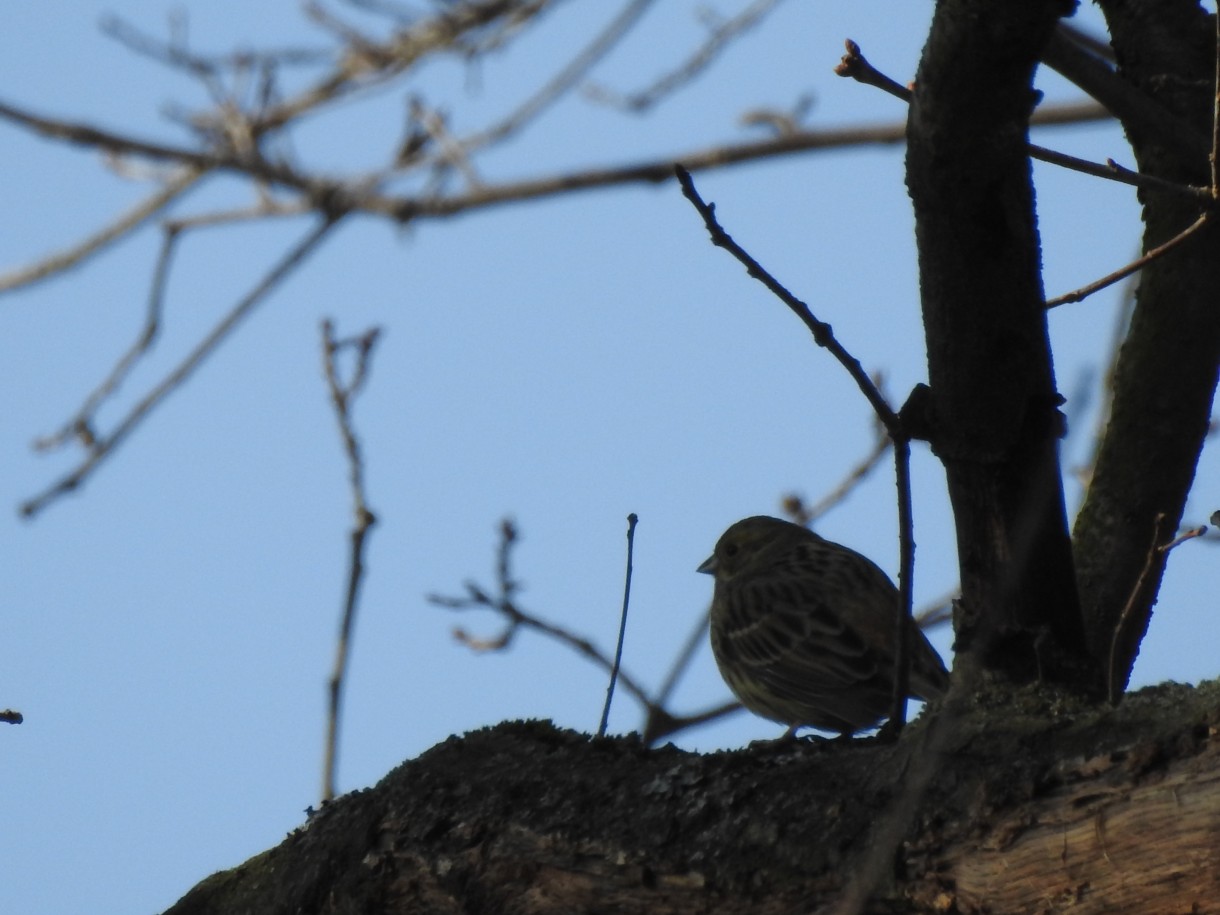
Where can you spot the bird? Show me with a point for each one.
(802, 629)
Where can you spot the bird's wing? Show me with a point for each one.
(788, 638)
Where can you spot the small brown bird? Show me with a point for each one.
(803, 629)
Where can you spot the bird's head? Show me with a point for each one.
(748, 542)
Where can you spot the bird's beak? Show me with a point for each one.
(709, 565)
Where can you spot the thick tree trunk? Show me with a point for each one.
(1045, 806)
(993, 406)
(1167, 371)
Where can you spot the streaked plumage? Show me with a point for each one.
(803, 629)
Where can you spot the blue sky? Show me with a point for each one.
(169, 628)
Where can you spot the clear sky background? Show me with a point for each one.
(168, 630)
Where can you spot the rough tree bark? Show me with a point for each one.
(1168, 368)
(1037, 806)
(993, 407)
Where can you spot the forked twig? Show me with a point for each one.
(720, 36)
(80, 426)
(343, 393)
(563, 81)
(102, 448)
(504, 603)
(56, 263)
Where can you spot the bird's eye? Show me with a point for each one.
(730, 549)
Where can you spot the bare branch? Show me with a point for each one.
(822, 333)
(680, 665)
(359, 193)
(855, 65)
(824, 336)
(396, 11)
(1116, 678)
(122, 145)
(632, 519)
(1070, 55)
(342, 395)
(720, 37)
(268, 208)
(368, 64)
(1118, 332)
(662, 724)
(56, 263)
(937, 612)
(796, 509)
(568, 77)
(1137, 264)
(504, 604)
(80, 426)
(102, 448)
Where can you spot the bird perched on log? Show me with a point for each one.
(803, 629)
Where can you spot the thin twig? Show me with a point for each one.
(267, 208)
(56, 263)
(824, 336)
(359, 193)
(822, 333)
(519, 619)
(1112, 171)
(367, 64)
(253, 165)
(1140, 262)
(1190, 534)
(1123, 175)
(342, 396)
(632, 519)
(504, 604)
(1083, 61)
(719, 38)
(681, 663)
(1118, 333)
(1097, 45)
(400, 13)
(432, 126)
(794, 506)
(80, 426)
(176, 54)
(937, 612)
(662, 724)
(856, 66)
(104, 447)
(1113, 690)
(563, 81)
